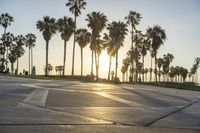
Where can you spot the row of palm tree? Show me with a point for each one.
(12, 47)
(112, 41)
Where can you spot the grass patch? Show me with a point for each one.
(184, 86)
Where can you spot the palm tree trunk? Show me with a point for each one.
(6, 57)
(127, 76)
(151, 69)
(5, 53)
(29, 60)
(74, 45)
(81, 61)
(12, 68)
(159, 74)
(123, 76)
(92, 63)
(143, 69)
(132, 63)
(110, 62)
(17, 65)
(96, 63)
(116, 66)
(47, 52)
(155, 67)
(64, 60)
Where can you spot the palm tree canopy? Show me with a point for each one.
(157, 36)
(168, 59)
(47, 26)
(75, 6)
(109, 45)
(96, 22)
(30, 40)
(83, 37)
(117, 32)
(66, 27)
(133, 18)
(6, 19)
(20, 42)
(12, 56)
(160, 62)
(7, 39)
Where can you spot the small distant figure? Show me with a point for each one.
(139, 79)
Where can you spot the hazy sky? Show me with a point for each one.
(180, 19)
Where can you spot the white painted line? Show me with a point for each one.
(37, 97)
(131, 103)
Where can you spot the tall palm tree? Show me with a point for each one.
(75, 7)
(83, 37)
(144, 48)
(66, 28)
(157, 36)
(7, 40)
(96, 22)
(126, 64)
(160, 63)
(117, 31)
(19, 48)
(133, 19)
(48, 28)
(123, 70)
(167, 59)
(5, 21)
(146, 70)
(30, 43)
(110, 50)
(12, 56)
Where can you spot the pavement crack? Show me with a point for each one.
(171, 113)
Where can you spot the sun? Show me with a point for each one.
(104, 61)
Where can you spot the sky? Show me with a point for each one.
(179, 18)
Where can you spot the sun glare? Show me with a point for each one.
(104, 61)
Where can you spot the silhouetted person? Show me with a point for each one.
(139, 79)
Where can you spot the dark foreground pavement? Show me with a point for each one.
(45, 106)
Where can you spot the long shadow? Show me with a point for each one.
(168, 95)
(155, 101)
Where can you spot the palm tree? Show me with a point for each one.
(172, 73)
(30, 43)
(183, 73)
(83, 38)
(123, 70)
(160, 63)
(133, 19)
(7, 40)
(117, 31)
(5, 21)
(167, 59)
(48, 28)
(144, 48)
(146, 70)
(157, 36)
(75, 7)
(66, 28)
(110, 50)
(126, 63)
(96, 22)
(151, 69)
(19, 49)
(12, 56)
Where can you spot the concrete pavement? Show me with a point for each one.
(32, 105)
